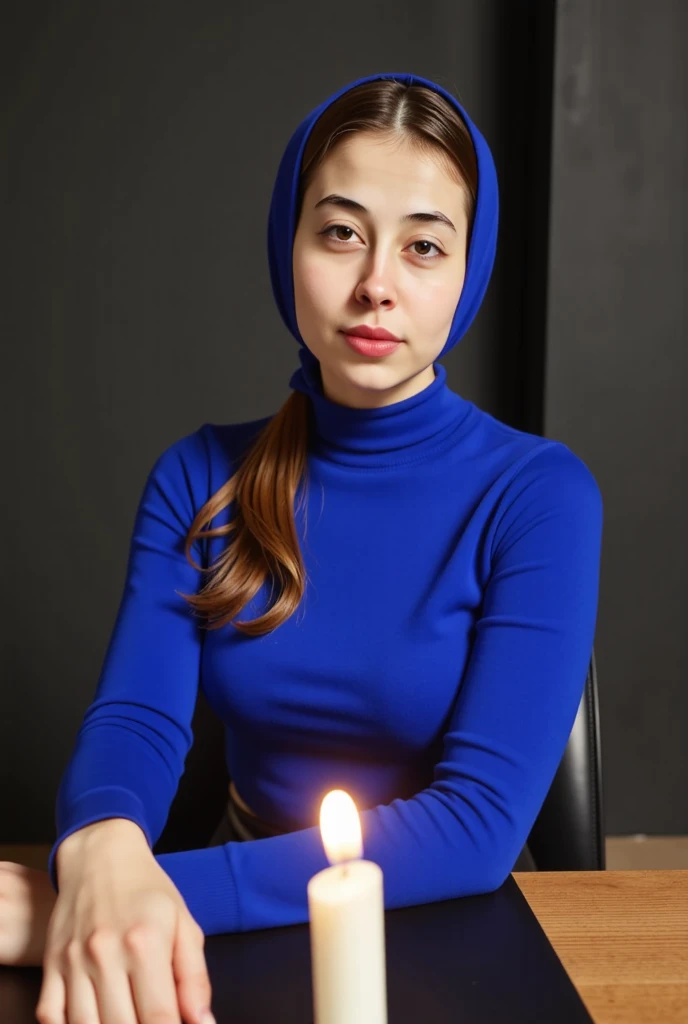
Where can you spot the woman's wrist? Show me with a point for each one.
(85, 840)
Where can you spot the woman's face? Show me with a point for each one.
(372, 266)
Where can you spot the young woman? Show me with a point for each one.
(417, 584)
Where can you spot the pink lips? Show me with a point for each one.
(371, 341)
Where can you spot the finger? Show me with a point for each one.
(191, 972)
(107, 967)
(82, 1002)
(50, 1008)
(115, 998)
(150, 975)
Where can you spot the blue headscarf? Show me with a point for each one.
(282, 228)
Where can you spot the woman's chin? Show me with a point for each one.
(364, 385)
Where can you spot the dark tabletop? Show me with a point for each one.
(475, 960)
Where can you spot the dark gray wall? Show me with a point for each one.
(616, 382)
(144, 140)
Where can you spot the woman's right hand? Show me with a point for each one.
(121, 944)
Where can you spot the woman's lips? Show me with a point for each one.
(368, 347)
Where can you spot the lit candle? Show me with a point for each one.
(347, 923)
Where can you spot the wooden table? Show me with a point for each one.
(622, 937)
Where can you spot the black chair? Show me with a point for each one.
(568, 834)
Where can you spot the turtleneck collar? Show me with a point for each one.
(391, 435)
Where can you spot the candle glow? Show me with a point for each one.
(340, 827)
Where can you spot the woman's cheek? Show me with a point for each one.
(320, 284)
(439, 303)
(305, 282)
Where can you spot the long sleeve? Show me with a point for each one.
(506, 734)
(130, 749)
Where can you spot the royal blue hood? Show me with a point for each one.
(282, 228)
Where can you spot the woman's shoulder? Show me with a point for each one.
(229, 440)
(520, 452)
(191, 467)
(210, 443)
(528, 475)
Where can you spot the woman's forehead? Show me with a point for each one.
(366, 173)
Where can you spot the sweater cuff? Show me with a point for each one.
(205, 878)
(97, 805)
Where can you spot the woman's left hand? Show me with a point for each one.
(27, 899)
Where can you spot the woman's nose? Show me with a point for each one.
(376, 289)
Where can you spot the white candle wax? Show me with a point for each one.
(347, 929)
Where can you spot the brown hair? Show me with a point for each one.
(266, 482)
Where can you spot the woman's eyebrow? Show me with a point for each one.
(351, 204)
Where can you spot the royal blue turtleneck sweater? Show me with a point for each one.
(433, 669)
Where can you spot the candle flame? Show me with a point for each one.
(340, 827)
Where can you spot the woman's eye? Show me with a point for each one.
(343, 227)
(339, 227)
(422, 255)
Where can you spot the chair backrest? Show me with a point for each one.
(201, 796)
(568, 834)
